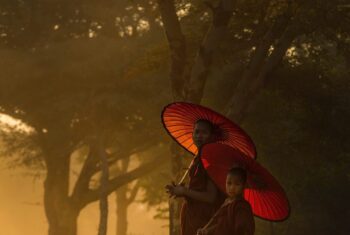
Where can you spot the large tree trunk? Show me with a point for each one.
(177, 45)
(66, 224)
(178, 54)
(193, 90)
(60, 211)
(203, 62)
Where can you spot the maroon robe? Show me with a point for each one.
(235, 218)
(195, 214)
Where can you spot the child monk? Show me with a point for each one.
(235, 216)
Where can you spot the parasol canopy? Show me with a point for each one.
(179, 119)
(264, 193)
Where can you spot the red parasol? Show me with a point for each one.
(179, 119)
(264, 193)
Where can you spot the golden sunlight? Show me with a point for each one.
(8, 123)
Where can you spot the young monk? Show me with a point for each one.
(235, 217)
(202, 198)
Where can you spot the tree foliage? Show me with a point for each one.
(75, 69)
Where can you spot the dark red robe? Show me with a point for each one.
(195, 214)
(236, 218)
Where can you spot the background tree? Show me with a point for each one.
(61, 60)
(61, 126)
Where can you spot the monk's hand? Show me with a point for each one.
(179, 190)
(170, 189)
(176, 190)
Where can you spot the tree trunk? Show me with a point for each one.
(178, 54)
(122, 211)
(175, 205)
(123, 201)
(103, 193)
(193, 91)
(177, 45)
(203, 62)
(60, 211)
(260, 65)
(66, 224)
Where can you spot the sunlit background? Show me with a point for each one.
(22, 211)
(21, 202)
(72, 72)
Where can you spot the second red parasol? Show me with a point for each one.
(264, 193)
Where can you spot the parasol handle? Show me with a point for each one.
(213, 218)
(183, 177)
(186, 173)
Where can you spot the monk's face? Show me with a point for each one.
(234, 186)
(201, 134)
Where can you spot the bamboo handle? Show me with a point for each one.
(186, 173)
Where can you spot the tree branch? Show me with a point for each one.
(277, 54)
(133, 193)
(92, 166)
(120, 155)
(93, 195)
(88, 170)
(244, 92)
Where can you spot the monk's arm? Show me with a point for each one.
(207, 196)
